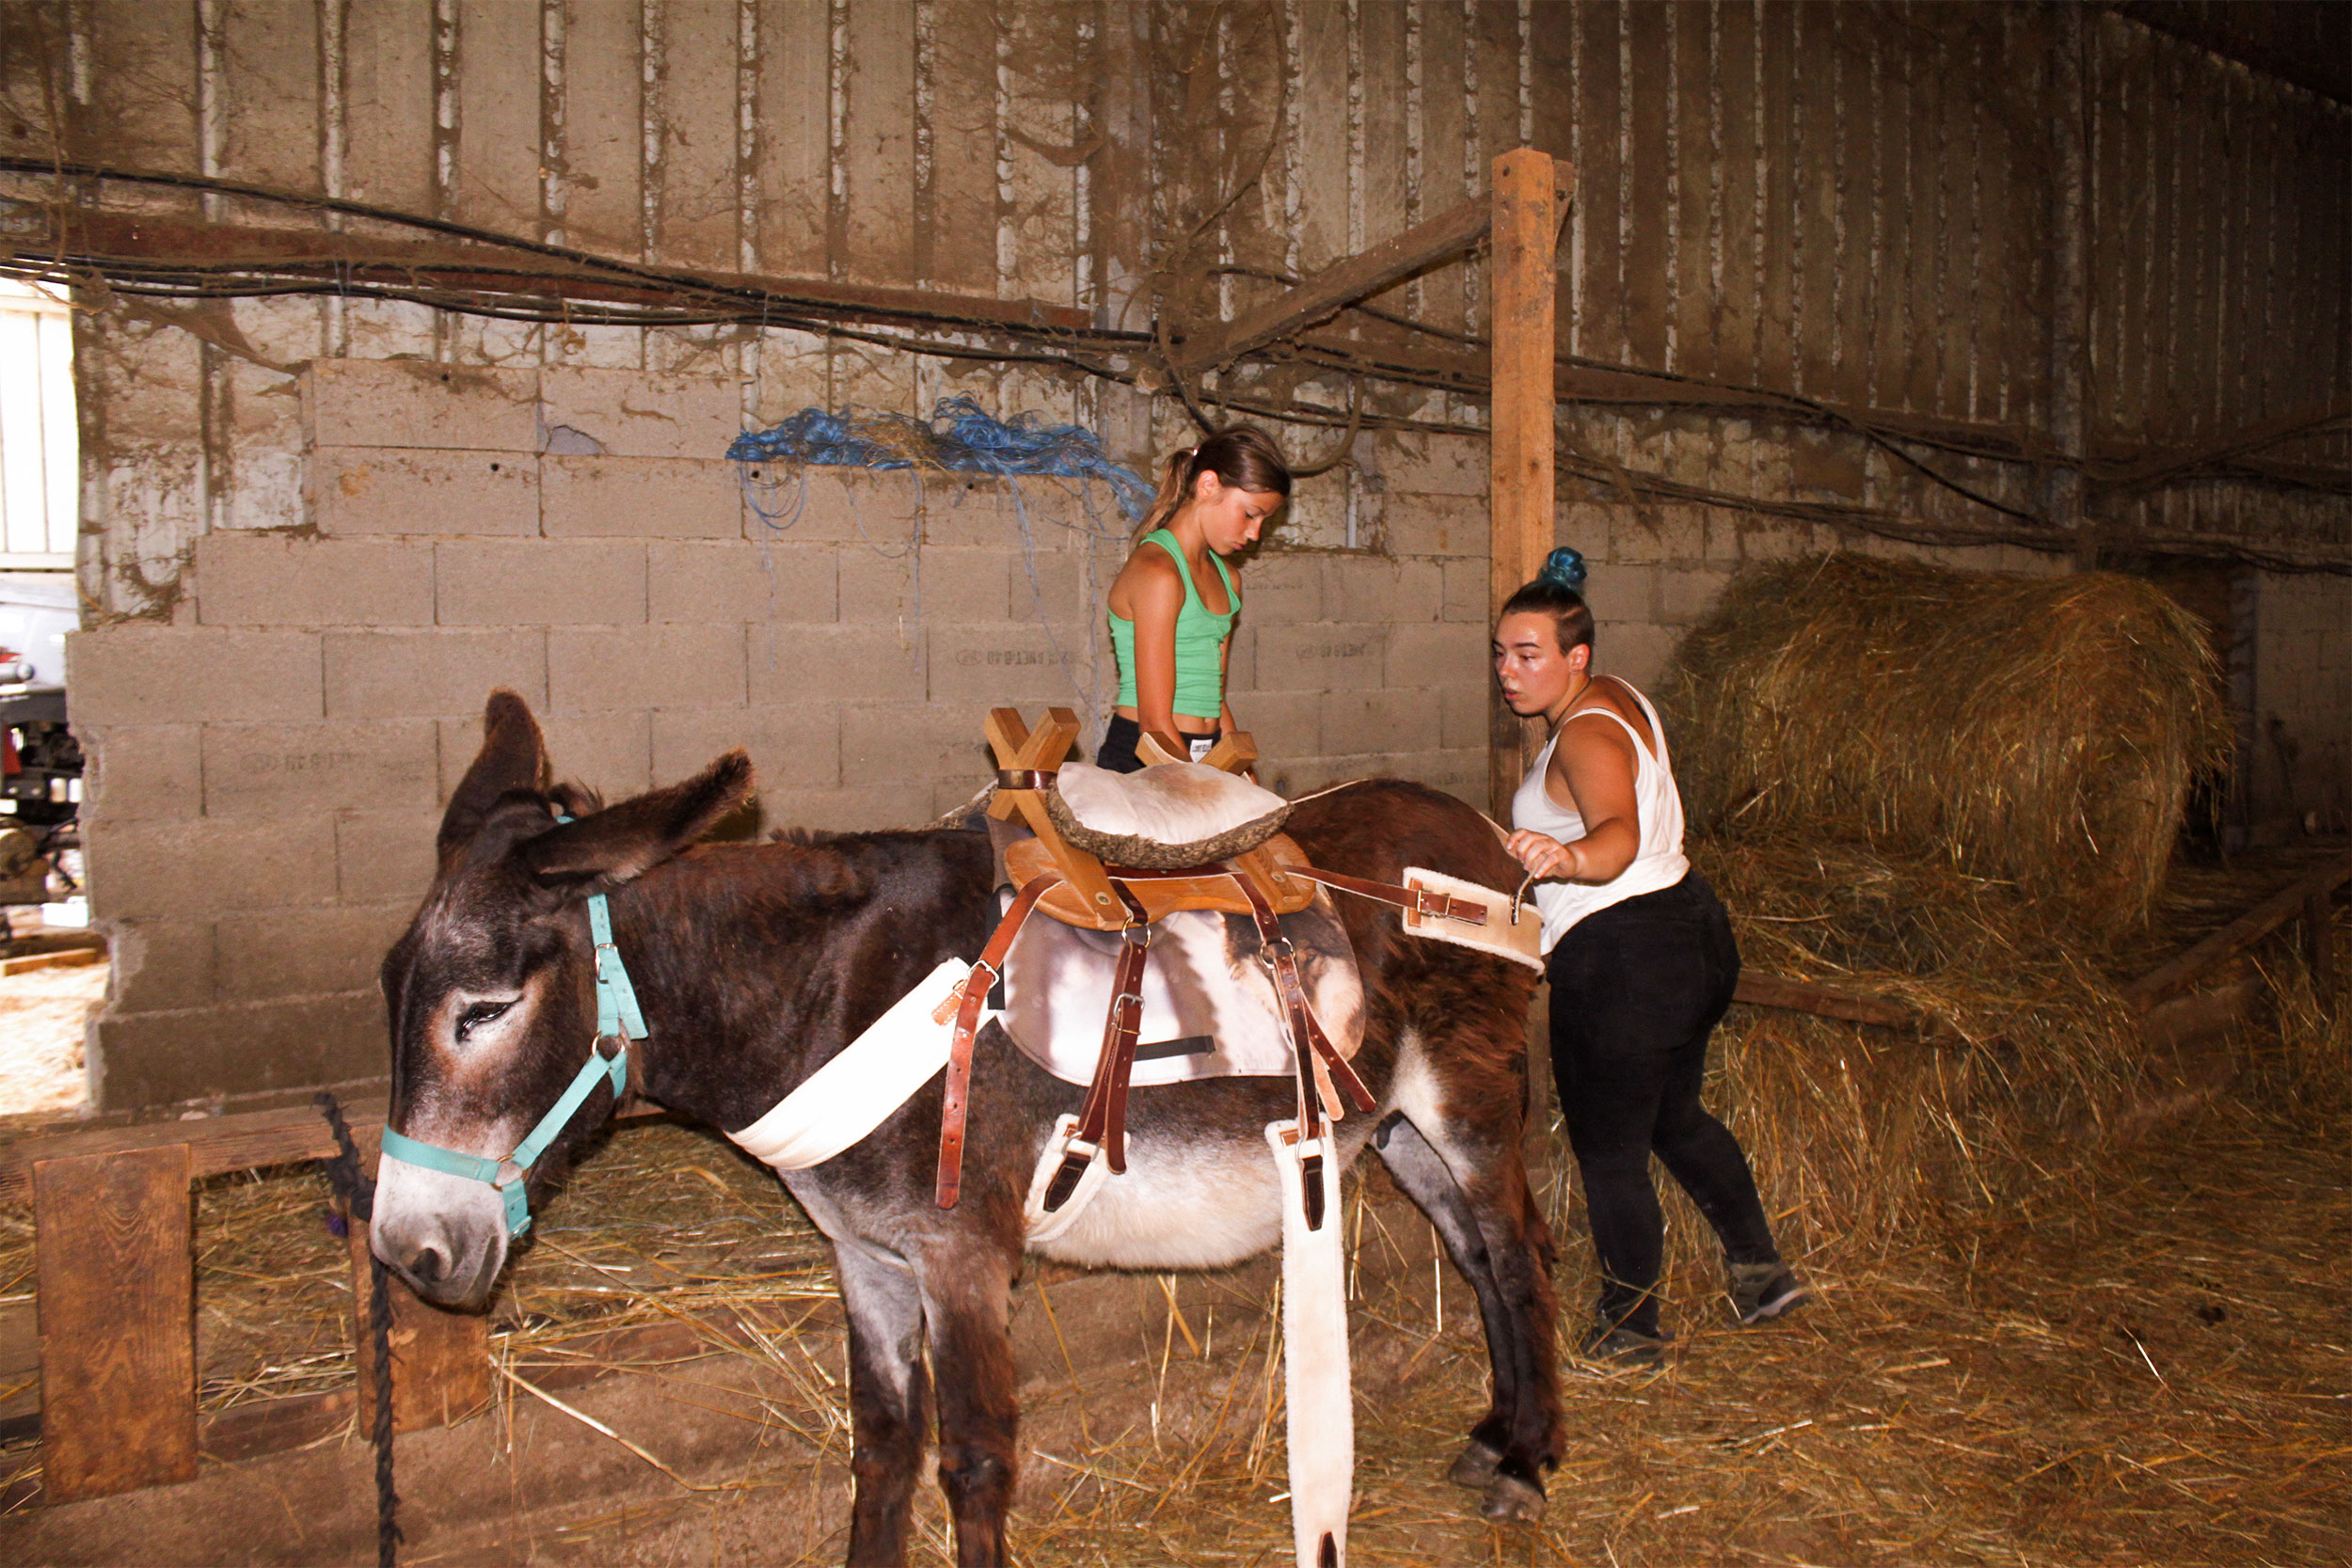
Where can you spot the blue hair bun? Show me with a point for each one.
(1565, 567)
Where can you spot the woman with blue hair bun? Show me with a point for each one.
(1642, 963)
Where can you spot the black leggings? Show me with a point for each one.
(1120, 738)
(1636, 989)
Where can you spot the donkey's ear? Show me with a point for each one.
(628, 840)
(513, 757)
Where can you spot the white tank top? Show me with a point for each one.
(1659, 863)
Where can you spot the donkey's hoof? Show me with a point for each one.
(1510, 1498)
(1476, 1466)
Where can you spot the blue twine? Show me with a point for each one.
(959, 438)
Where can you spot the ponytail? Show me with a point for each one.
(1242, 458)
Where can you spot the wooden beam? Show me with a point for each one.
(117, 1323)
(440, 1360)
(1802, 996)
(2251, 438)
(1527, 193)
(1333, 289)
(2309, 897)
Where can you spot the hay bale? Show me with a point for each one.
(2042, 730)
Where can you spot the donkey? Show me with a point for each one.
(757, 963)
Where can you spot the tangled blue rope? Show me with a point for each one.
(960, 436)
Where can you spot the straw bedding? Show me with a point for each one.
(2045, 732)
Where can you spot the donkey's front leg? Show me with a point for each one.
(888, 1389)
(967, 1290)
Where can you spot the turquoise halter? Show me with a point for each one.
(618, 1019)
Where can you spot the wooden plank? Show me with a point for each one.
(1524, 288)
(877, 143)
(498, 116)
(957, 247)
(270, 100)
(214, 1144)
(1697, 303)
(1599, 179)
(1648, 290)
(1336, 287)
(697, 224)
(2241, 933)
(118, 1328)
(440, 1360)
(1776, 129)
(1802, 996)
(795, 155)
(388, 107)
(1736, 302)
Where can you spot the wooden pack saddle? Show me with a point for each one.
(1118, 852)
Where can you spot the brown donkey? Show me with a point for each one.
(755, 964)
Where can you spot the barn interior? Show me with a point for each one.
(411, 351)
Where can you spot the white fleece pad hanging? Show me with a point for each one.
(1315, 1376)
(1520, 943)
(875, 1074)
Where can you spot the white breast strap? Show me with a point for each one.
(855, 1092)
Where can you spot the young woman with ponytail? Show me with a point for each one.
(1642, 963)
(1174, 605)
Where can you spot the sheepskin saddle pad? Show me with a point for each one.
(1163, 818)
(1208, 1006)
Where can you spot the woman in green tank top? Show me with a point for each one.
(1174, 605)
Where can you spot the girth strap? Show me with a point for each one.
(976, 986)
(1420, 901)
(1103, 1119)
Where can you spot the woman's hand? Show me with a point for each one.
(1546, 857)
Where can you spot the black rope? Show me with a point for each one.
(357, 1193)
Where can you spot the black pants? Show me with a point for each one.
(1120, 737)
(1635, 991)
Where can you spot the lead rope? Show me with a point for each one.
(357, 1195)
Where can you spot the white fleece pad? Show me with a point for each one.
(875, 1074)
(1203, 989)
(1521, 943)
(1176, 802)
(1315, 1372)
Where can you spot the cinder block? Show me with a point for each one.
(545, 582)
(640, 497)
(158, 1059)
(598, 668)
(1323, 656)
(639, 414)
(1280, 588)
(272, 580)
(1465, 714)
(1010, 662)
(967, 584)
(892, 743)
(150, 674)
(1686, 594)
(1380, 722)
(1620, 592)
(1055, 584)
(207, 867)
(383, 857)
(412, 402)
(279, 770)
(1436, 525)
(141, 772)
(1434, 464)
(1283, 724)
(1375, 588)
(791, 747)
(609, 752)
(828, 505)
(740, 581)
(368, 490)
(159, 963)
(876, 590)
(309, 952)
(395, 675)
(832, 664)
(1632, 651)
(1468, 591)
(1437, 653)
(865, 809)
(986, 514)
(1634, 536)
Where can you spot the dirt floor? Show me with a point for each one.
(2154, 1370)
(42, 1017)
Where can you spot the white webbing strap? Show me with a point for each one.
(1316, 1370)
(1043, 1226)
(855, 1092)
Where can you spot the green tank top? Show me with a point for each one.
(1199, 635)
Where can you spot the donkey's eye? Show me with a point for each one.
(480, 1013)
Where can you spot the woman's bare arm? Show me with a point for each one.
(1594, 763)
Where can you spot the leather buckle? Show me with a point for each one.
(1024, 778)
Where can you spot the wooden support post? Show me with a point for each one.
(117, 1321)
(1528, 193)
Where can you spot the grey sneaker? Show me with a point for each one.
(1761, 1291)
(1621, 1347)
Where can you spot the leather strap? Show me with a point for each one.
(1419, 900)
(976, 985)
(1309, 1044)
(1025, 778)
(1103, 1120)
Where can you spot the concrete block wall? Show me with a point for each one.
(2302, 760)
